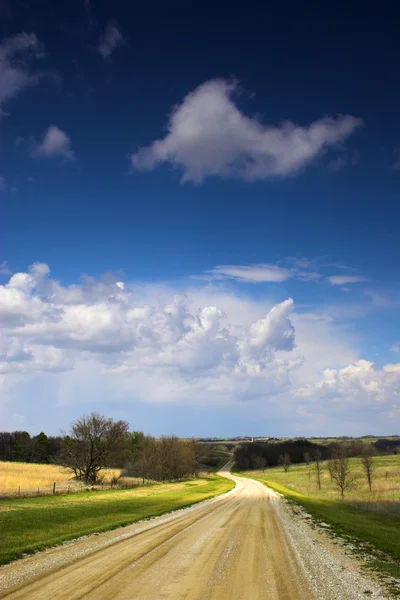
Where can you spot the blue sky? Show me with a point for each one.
(200, 217)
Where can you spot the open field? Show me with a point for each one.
(372, 518)
(32, 524)
(28, 477)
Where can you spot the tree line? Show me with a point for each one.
(95, 442)
(20, 446)
(253, 454)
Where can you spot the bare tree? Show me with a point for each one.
(307, 460)
(166, 459)
(318, 466)
(145, 459)
(94, 442)
(285, 461)
(340, 469)
(330, 469)
(260, 463)
(367, 461)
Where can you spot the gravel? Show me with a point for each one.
(334, 572)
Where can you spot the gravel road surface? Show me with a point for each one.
(245, 545)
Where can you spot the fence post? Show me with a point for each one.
(38, 491)
(68, 489)
(19, 491)
(54, 488)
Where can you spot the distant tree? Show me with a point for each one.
(318, 466)
(307, 460)
(94, 442)
(284, 461)
(367, 461)
(22, 450)
(40, 448)
(146, 461)
(260, 463)
(340, 469)
(136, 440)
(166, 459)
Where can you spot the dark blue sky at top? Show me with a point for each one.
(292, 62)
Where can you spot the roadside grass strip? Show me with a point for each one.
(28, 525)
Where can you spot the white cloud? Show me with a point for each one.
(258, 273)
(16, 55)
(395, 347)
(56, 143)
(109, 40)
(208, 135)
(103, 319)
(361, 382)
(204, 346)
(345, 279)
(263, 272)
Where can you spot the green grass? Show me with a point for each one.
(370, 520)
(31, 524)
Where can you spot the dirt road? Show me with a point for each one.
(232, 548)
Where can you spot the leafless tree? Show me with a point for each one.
(367, 461)
(318, 466)
(307, 460)
(166, 459)
(285, 461)
(340, 469)
(94, 442)
(260, 463)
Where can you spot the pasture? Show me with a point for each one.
(370, 518)
(26, 478)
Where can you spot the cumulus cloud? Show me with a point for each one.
(17, 53)
(56, 143)
(361, 382)
(395, 347)
(109, 40)
(208, 135)
(345, 279)
(103, 319)
(106, 338)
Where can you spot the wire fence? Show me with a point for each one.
(61, 489)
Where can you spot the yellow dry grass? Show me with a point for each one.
(30, 476)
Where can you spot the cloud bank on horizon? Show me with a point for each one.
(205, 346)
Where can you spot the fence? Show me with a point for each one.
(61, 489)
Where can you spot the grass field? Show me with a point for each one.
(32, 524)
(30, 476)
(371, 518)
